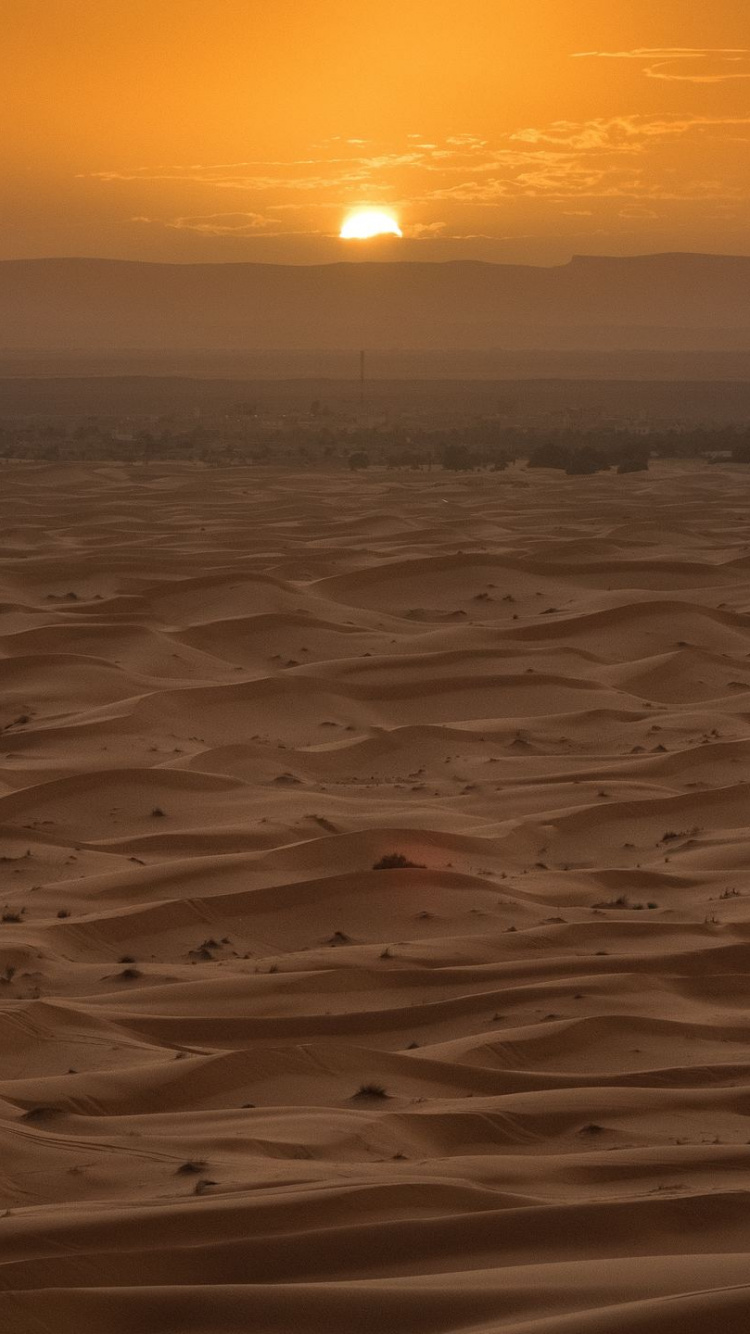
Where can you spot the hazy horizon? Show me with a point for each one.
(372, 257)
(670, 302)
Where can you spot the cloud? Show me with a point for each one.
(425, 231)
(638, 213)
(672, 63)
(238, 225)
(471, 184)
(222, 224)
(669, 157)
(296, 174)
(563, 155)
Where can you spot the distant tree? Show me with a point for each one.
(550, 454)
(457, 458)
(633, 458)
(407, 458)
(587, 460)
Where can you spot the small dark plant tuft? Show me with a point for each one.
(396, 861)
(371, 1091)
(40, 1114)
(192, 1167)
(203, 1185)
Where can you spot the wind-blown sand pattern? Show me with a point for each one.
(226, 695)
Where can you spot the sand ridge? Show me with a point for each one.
(248, 1080)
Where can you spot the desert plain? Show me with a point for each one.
(375, 941)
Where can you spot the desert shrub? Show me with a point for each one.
(40, 1113)
(396, 861)
(371, 1091)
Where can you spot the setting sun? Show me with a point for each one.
(389, 337)
(367, 222)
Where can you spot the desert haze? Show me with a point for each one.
(374, 926)
(669, 302)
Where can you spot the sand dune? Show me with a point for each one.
(253, 1075)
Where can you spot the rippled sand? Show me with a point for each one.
(248, 1082)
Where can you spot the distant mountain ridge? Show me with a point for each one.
(667, 302)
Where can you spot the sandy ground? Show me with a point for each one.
(248, 1082)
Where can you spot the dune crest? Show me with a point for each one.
(375, 905)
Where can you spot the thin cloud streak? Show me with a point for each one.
(663, 63)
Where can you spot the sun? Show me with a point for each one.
(366, 222)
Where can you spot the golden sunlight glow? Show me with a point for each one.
(167, 145)
(367, 222)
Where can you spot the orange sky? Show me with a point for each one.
(511, 130)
